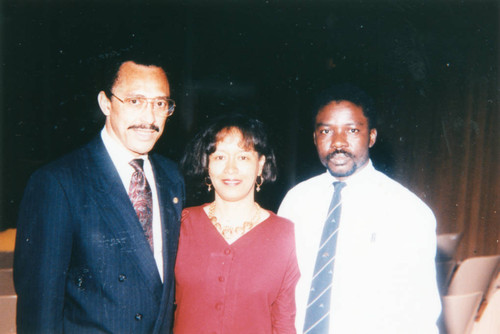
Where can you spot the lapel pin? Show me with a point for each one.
(175, 200)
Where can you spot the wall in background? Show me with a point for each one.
(431, 66)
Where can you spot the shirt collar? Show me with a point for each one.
(358, 177)
(119, 154)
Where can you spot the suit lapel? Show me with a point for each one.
(169, 215)
(170, 208)
(117, 211)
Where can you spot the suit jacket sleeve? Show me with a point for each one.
(43, 249)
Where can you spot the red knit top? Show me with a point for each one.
(244, 287)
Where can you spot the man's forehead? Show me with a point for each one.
(336, 123)
(132, 76)
(341, 114)
(132, 65)
(131, 69)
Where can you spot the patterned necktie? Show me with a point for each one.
(318, 307)
(141, 198)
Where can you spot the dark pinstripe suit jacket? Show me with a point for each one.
(82, 263)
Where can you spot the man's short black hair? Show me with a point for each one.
(351, 93)
(116, 59)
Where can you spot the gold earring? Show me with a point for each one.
(259, 183)
(208, 183)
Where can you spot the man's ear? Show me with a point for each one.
(104, 103)
(373, 137)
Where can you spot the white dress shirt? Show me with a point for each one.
(121, 158)
(384, 274)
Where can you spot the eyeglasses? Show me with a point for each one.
(163, 106)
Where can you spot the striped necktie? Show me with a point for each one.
(318, 307)
(141, 198)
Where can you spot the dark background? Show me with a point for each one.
(432, 67)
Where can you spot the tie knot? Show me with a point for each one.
(137, 164)
(338, 186)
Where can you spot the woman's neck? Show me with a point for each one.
(235, 213)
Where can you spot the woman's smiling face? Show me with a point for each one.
(233, 168)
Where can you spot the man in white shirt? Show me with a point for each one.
(384, 278)
(98, 229)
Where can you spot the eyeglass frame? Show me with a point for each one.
(169, 112)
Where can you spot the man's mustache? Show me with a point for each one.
(332, 154)
(145, 127)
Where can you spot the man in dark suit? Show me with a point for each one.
(98, 228)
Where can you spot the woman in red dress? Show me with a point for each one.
(236, 267)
